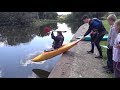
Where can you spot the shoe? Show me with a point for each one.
(109, 71)
(105, 67)
(89, 52)
(99, 57)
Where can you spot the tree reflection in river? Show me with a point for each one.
(16, 35)
(41, 29)
(74, 26)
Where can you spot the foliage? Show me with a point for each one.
(15, 35)
(106, 25)
(76, 16)
(17, 18)
(48, 15)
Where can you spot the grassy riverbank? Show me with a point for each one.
(107, 26)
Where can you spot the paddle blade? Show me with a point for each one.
(41, 73)
(47, 29)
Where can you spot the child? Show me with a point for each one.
(111, 38)
(116, 51)
(58, 40)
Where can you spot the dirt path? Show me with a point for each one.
(76, 63)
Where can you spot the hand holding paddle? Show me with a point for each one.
(48, 29)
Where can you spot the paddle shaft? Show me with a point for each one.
(60, 31)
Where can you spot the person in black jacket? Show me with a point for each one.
(97, 31)
(58, 40)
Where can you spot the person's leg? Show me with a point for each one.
(97, 42)
(114, 68)
(108, 55)
(107, 66)
(110, 61)
(92, 45)
(92, 49)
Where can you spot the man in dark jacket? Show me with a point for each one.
(58, 40)
(97, 31)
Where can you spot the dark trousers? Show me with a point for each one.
(93, 37)
(97, 43)
(109, 59)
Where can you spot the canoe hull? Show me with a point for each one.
(50, 54)
(88, 38)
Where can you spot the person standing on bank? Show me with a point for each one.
(111, 38)
(97, 31)
(116, 51)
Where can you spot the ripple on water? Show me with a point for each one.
(28, 59)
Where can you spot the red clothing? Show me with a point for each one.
(47, 29)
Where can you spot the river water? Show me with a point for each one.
(19, 45)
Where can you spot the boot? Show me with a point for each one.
(99, 57)
(90, 52)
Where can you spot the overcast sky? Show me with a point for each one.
(63, 13)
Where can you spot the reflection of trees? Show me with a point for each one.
(74, 26)
(17, 35)
(41, 29)
(17, 18)
(48, 15)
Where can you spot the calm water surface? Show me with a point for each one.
(19, 45)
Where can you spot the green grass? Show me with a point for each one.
(107, 26)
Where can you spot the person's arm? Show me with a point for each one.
(88, 31)
(111, 38)
(117, 41)
(53, 37)
(117, 46)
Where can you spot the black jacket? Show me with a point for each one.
(58, 40)
(96, 24)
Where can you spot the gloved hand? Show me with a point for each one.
(52, 32)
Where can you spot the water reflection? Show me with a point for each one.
(74, 26)
(16, 35)
(18, 45)
(1, 72)
(41, 29)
